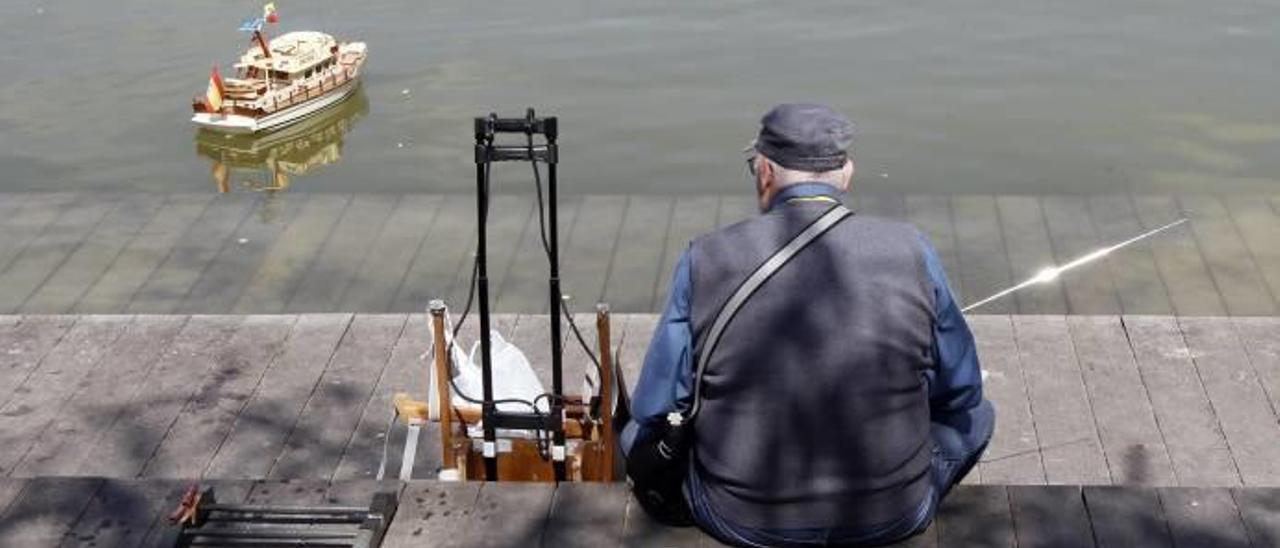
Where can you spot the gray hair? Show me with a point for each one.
(787, 177)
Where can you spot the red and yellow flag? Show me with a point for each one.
(214, 94)
(269, 13)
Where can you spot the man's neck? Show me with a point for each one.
(807, 190)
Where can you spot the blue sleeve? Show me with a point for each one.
(955, 383)
(665, 382)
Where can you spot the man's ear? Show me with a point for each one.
(764, 179)
(847, 174)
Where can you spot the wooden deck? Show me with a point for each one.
(1085, 400)
(100, 253)
(105, 512)
(1111, 430)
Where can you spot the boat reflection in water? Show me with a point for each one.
(267, 162)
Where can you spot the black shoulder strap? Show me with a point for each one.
(749, 286)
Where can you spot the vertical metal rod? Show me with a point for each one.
(557, 382)
(483, 147)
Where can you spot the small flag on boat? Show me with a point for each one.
(269, 13)
(252, 24)
(214, 94)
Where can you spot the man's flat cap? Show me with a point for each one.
(805, 137)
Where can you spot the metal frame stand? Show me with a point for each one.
(486, 153)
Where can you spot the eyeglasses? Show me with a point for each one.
(750, 153)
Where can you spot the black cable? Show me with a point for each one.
(546, 247)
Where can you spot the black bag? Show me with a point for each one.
(659, 460)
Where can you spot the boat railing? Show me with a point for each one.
(309, 91)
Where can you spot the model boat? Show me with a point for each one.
(280, 81)
(270, 161)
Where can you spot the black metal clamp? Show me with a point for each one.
(486, 153)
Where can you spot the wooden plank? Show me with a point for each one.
(123, 511)
(1045, 515)
(1196, 446)
(46, 252)
(114, 289)
(316, 445)
(932, 215)
(11, 203)
(976, 515)
(1201, 516)
(1260, 511)
(1234, 271)
(1027, 239)
(886, 205)
(637, 257)
(24, 225)
(634, 345)
(1131, 437)
(82, 267)
(510, 218)
(1182, 267)
(99, 399)
(508, 514)
(1013, 455)
(431, 512)
(1261, 340)
(925, 539)
(123, 448)
(735, 208)
(1065, 425)
(24, 345)
(1126, 516)
(206, 419)
(373, 287)
(10, 490)
(589, 248)
(336, 263)
(261, 428)
(690, 217)
(1089, 288)
(46, 511)
(984, 263)
(1133, 268)
(1244, 412)
(525, 289)
(292, 255)
(288, 492)
(1259, 226)
(587, 515)
(641, 530)
(169, 283)
(407, 371)
(37, 402)
(445, 251)
(217, 289)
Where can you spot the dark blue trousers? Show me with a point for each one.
(959, 441)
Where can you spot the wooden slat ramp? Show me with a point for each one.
(87, 511)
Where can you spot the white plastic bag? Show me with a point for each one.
(513, 377)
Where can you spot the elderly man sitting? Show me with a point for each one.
(811, 380)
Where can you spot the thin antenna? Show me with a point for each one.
(1052, 273)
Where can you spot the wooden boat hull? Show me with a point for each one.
(236, 123)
